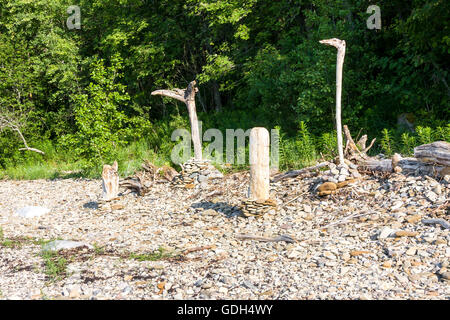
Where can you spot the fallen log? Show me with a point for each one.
(408, 165)
(437, 152)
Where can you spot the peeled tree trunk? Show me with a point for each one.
(188, 97)
(340, 46)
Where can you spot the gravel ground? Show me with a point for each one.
(177, 243)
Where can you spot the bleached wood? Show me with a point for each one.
(259, 163)
(110, 181)
(340, 46)
(295, 173)
(437, 152)
(188, 97)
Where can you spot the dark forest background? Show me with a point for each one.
(83, 96)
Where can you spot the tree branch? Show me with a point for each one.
(175, 94)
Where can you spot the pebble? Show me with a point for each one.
(344, 261)
(31, 211)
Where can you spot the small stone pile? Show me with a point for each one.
(337, 177)
(341, 172)
(256, 208)
(196, 172)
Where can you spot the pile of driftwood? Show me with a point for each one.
(431, 159)
(142, 180)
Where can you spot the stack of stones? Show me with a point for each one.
(341, 172)
(196, 171)
(256, 208)
(337, 177)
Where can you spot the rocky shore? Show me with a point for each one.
(371, 239)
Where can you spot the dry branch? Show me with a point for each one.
(295, 173)
(188, 97)
(442, 222)
(285, 238)
(7, 123)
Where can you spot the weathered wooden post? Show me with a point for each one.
(259, 201)
(110, 181)
(259, 164)
(340, 46)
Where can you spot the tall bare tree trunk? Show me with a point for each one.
(340, 46)
(188, 97)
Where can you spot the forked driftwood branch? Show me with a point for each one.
(188, 97)
(7, 123)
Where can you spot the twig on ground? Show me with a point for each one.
(346, 219)
(285, 238)
(441, 222)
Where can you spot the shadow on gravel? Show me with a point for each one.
(219, 207)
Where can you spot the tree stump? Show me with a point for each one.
(110, 181)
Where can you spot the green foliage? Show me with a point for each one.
(55, 265)
(160, 254)
(102, 127)
(405, 142)
(386, 142)
(77, 100)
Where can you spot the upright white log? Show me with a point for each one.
(110, 181)
(259, 164)
(340, 46)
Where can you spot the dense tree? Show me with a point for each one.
(256, 55)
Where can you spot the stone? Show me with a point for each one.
(355, 253)
(31, 211)
(431, 196)
(411, 251)
(404, 233)
(327, 186)
(414, 219)
(397, 205)
(385, 233)
(398, 169)
(117, 206)
(64, 244)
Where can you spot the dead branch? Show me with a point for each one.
(442, 222)
(296, 173)
(7, 123)
(285, 238)
(188, 97)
